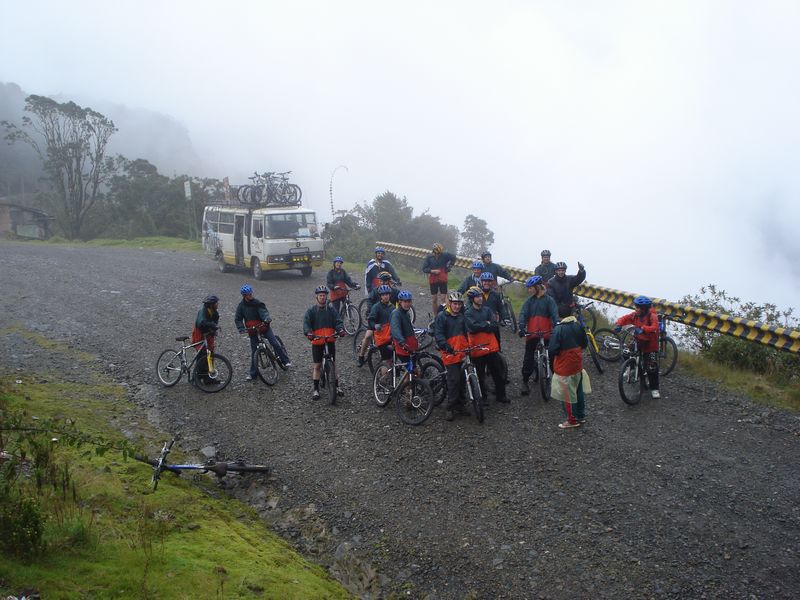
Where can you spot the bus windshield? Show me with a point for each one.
(291, 225)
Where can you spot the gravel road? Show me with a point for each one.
(691, 496)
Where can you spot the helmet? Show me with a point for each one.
(477, 265)
(546, 253)
(642, 301)
(379, 249)
(384, 289)
(338, 259)
(455, 297)
(561, 265)
(487, 276)
(384, 275)
(246, 289)
(438, 248)
(404, 295)
(321, 289)
(485, 253)
(212, 299)
(474, 291)
(532, 281)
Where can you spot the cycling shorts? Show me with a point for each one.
(316, 351)
(439, 288)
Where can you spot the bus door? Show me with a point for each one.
(238, 239)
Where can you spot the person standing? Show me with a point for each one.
(450, 333)
(403, 338)
(546, 269)
(537, 317)
(252, 313)
(474, 279)
(494, 268)
(378, 326)
(560, 286)
(437, 265)
(339, 282)
(374, 267)
(570, 381)
(321, 324)
(206, 325)
(481, 322)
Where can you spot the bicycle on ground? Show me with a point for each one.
(402, 381)
(215, 375)
(267, 361)
(220, 469)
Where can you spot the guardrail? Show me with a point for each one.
(755, 331)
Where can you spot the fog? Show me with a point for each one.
(656, 142)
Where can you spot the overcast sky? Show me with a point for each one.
(657, 142)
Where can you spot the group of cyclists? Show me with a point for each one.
(467, 318)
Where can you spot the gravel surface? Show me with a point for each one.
(691, 496)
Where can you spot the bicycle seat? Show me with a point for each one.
(183, 338)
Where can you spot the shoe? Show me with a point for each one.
(340, 392)
(315, 395)
(361, 361)
(288, 365)
(503, 399)
(249, 378)
(448, 415)
(655, 394)
(568, 425)
(582, 421)
(524, 388)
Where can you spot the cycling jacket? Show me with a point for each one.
(374, 267)
(468, 283)
(338, 282)
(443, 262)
(323, 321)
(560, 288)
(494, 301)
(538, 314)
(566, 345)
(251, 313)
(381, 314)
(402, 332)
(497, 271)
(647, 341)
(450, 328)
(481, 327)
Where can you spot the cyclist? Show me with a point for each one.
(437, 265)
(339, 283)
(374, 297)
(403, 338)
(206, 325)
(560, 285)
(321, 319)
(570, 381)
(494, 300)
(374, 267)
(474, 279)
(645, 322)
(481, 322)
(546, 269)
(253, 313)
(538, 313)
(450, 332)
(494, 268)
(378, 325)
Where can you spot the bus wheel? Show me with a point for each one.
(305, 271)
(258, 272)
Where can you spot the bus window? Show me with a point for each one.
(291, 225)
(258, 228)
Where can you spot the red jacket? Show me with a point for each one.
(648, 340)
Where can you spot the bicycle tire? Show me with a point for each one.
(266, 366)
(241, 467)
(436, 376)
(413, 314)
(220, 382)
(589, 318)
(511, 316)
(363, 309)
(609, 346)
(358, 338)
(373, 358)
(668, 353)
(474, 386)
(382, 387)
(593, 352)
(330, 380)
(168, 368)
(545, 377)
(415, 401)
(630, 387)
(351, 319)
(503, 366)
(298, 192)
(283, 347)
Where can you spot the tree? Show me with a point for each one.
(71, 143)
(475, 237)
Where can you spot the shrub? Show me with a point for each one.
(21, 526)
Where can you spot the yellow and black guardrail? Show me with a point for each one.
(755, 331)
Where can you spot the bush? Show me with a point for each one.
(21, 526)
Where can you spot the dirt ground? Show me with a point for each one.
(691, 496)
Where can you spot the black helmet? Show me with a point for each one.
(212, 299)
(561, 265)
(546, 253)
(321, 289)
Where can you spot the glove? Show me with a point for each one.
(617, 328)
(522, 333)
(405, 348)
(580, 266)
(378, 326)
(506, 322)
(341, 333)
(638, 331)
(310, 336)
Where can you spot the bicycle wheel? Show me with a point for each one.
(609, 347)
(503, 366)
(413, 314)
(382, 387)
(363, 309)
(219, 380)
(168, 368)
(351, 319)
(511, 315)
(266, 366)
(630, 387)
(373, 358)
(330, 380)
(668, 355)
(242, 467)
(358, 338)
(415, 401)
(283, 347)
(545, 377)
(593, 352)
(477, 397)
(436, 376)
(589, 317)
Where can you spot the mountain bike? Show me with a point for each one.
(220, 469)
(267, 361)
(584, 310)
(542, 372)
(608, 344)
(507, 305)
(667, 347)
(365, 305)
(372, 354)
(592, 345)
(351, 317)
(632, 376)
(172, 364)
(414, 397)
(327, 379)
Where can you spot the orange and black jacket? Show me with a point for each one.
(403, 331)
(566, 345)
(322, 321)
(381, 314)
(449, 328)
(443, 261)
(481, 327)
(538, 314)
(648, 340)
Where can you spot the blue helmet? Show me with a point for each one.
(477, 265)
(338, 259)
(642, 301)
(384, 289)
(379, 249)
(321, 289)
(532, 281)
(246, 289)
(487, 276)
(212, 299)
(404, 295)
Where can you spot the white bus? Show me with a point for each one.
(263, 239)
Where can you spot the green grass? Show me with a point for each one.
(157, 243)
(119, 539)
